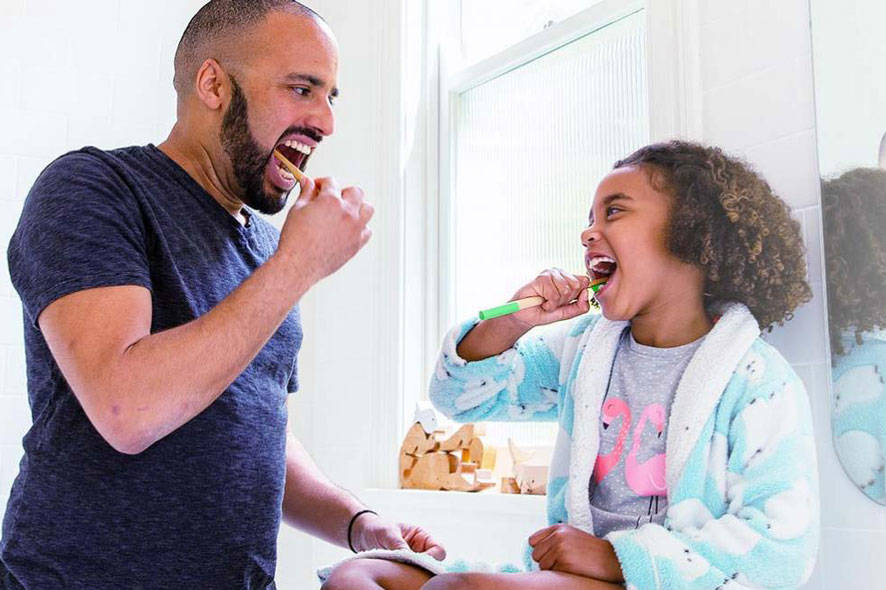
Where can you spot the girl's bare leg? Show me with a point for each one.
(375, 574)
(526, 581)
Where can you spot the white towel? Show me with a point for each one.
(406, 556)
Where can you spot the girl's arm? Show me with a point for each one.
(565, 297)
(486, 371)
(768, 535)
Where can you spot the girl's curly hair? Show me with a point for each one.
(854, 216)
(725, 219)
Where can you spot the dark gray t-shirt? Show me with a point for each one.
(201, 507)
(627, 488)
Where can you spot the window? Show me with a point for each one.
(527, 135)
(489, 26)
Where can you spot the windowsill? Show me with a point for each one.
(453, 502)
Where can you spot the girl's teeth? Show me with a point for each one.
(602, 265)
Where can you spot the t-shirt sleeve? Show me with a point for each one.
(81, 228)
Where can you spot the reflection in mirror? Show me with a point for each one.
(854, 212)
(850, 98)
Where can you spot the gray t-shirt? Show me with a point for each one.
(627, 488)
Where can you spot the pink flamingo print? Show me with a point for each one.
(647, 478)
(612, 409)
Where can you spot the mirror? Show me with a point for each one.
(850, 92)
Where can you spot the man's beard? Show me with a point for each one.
(247, 157)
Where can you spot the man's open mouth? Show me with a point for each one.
(601, 267)
(297, 153)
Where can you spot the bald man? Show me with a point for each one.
(162, 328)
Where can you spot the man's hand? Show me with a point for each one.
(567, 549)
(325, 228)
(372, 532)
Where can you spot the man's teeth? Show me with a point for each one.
(284, 173)
(306, 150)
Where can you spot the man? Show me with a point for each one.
(162, 328)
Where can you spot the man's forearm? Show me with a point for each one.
(171, 376)
(311, 502)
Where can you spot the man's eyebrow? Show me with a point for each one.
(312, 80)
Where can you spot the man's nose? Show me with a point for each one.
(321, 117)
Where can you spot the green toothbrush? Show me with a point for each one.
(515, 306)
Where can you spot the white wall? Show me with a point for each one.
(99, 72)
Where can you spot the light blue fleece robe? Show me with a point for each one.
(740, 461)
(859, 412)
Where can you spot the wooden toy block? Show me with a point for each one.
(459, 439)
(509, 486)
(467, 467)
(475, 450)
(407, 463)
(417, 442)
(489, 456)
(466, 482)
(454, 464)
(430, 472)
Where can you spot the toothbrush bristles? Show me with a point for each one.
(599, 281)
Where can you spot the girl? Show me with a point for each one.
(685, 456)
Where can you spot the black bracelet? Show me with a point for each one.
(351, 525)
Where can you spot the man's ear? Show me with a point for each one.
(212, 85)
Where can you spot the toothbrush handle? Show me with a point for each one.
(511, 307)
(515, 306)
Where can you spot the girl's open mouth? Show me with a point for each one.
(601, 267)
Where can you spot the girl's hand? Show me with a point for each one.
(559, 289)
(567, 549)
